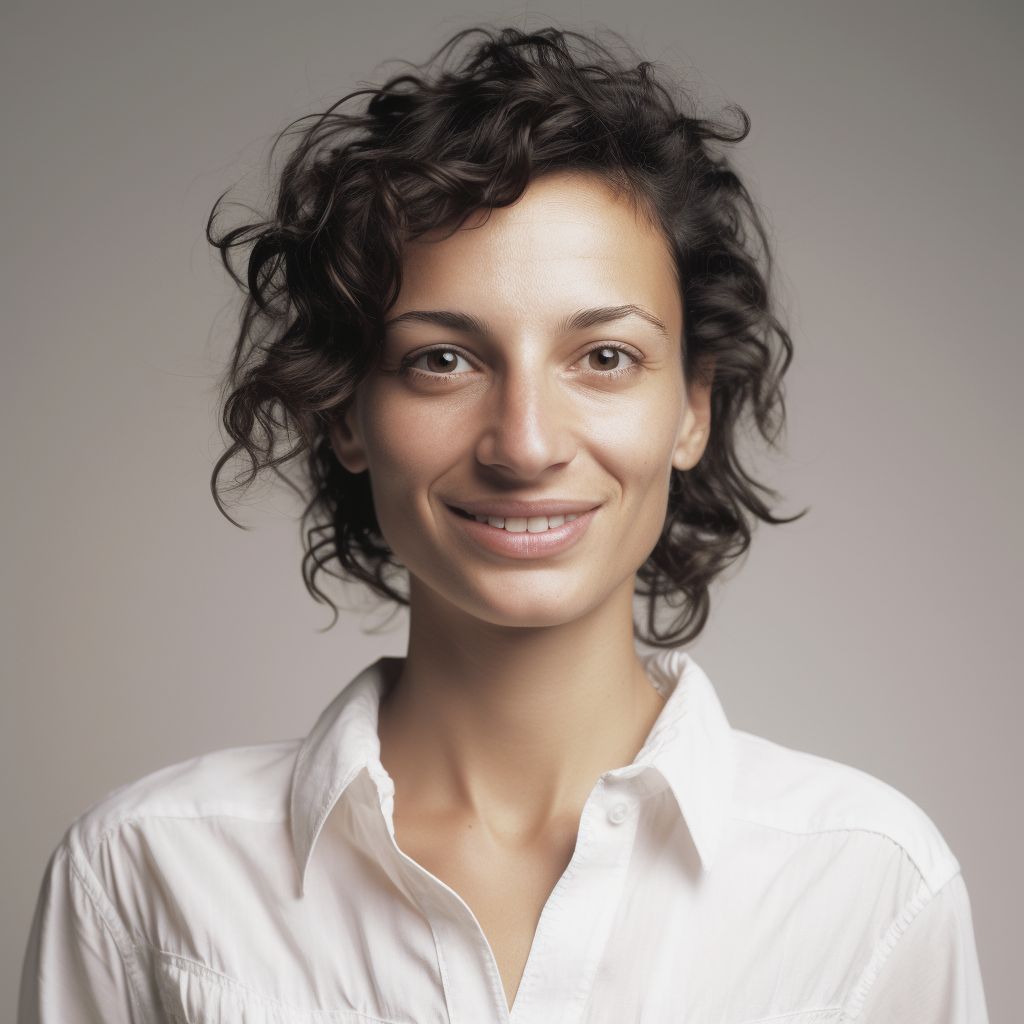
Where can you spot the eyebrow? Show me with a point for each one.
(450, 319)
(610, 314)
(466, 324)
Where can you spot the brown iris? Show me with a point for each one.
(442, 360)
(604, 359)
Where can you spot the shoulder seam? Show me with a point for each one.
(944, 877)
(97, 840)
(133, 819)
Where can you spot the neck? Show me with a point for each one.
(523, 718)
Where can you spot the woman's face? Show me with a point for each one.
(530, 403)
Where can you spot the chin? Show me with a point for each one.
(531, 603)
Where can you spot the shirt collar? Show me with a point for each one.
(690, 745)
(343, 743)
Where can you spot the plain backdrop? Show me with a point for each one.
(140, 628)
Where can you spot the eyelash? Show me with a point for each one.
(409, 367)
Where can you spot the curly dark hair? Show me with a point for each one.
(491, 111)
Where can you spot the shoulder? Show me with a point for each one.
(804, 794)
(249, 783)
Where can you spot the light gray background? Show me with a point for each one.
(141, 628)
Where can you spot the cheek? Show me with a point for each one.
(409, 445)
(635, 446)
(397, 436)
(636, 439)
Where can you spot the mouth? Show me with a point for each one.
(519, 524)
(518, 529)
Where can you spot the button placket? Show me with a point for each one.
(576, 921)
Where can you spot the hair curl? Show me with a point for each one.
(470, 129)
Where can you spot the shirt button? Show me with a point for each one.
(617, 815)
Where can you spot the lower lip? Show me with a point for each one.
(527, 545)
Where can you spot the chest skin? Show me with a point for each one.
(505, 877)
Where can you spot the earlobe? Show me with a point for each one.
(695, 429)
(347, 440)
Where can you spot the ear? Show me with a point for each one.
(347, 438)
(696, 425)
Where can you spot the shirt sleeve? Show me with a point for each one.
(932, 974)
(75, 966)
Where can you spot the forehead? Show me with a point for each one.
(570, 242)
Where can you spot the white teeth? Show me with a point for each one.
(525, 524)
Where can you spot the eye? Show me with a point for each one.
(609, 359)
(441, 361)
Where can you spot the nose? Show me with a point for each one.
(529, 429)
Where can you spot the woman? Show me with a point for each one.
(514, 314)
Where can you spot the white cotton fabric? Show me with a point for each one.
(719, 879)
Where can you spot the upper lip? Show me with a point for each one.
(510, 507)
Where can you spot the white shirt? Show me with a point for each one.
(717, 879)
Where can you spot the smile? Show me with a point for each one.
(525, 524)
(548, 532)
